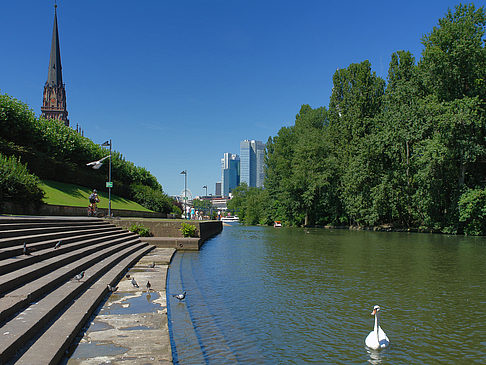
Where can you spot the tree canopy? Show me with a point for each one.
(409, 151)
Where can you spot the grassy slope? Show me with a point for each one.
(74, 195)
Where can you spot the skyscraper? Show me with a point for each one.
(252, 155)
(54, 97)
(230, 173)
(217, 189)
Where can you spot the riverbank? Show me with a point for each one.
(132, 324)
(383, 228)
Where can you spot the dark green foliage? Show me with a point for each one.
(16, 183)
(251, 205)
(140, 229)
(472, 211)
(151, 198)
(53, 151)
(409, 153)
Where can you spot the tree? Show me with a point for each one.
(453, 63)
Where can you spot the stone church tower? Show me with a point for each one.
(54, 99)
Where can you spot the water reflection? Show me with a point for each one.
(375, 356)
(264, 295)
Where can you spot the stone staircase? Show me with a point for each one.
(42, 305)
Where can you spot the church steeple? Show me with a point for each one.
(54, 99)
(54, 76)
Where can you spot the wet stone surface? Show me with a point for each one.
(131, 326)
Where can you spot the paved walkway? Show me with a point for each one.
(131, 328)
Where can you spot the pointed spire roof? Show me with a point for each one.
(54, 76)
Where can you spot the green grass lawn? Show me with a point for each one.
(57, 193)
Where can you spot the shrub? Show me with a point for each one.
(16, 183)
(151, 199)
(472, 211)
(54, 151)
(140, 229)
(188, 230)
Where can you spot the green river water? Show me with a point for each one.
(258, 295)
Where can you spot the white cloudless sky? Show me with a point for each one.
(175, 84)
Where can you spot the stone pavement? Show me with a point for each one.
(131, 327)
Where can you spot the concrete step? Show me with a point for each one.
(19, 240)
(26, 325)
(21, 297)
(52, 345)
(33, 229)
(21, 276)
(21, 225)
(47, 219)
(13, 259)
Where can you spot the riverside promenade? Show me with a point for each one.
(131, 327)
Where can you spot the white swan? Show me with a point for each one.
(377, 339)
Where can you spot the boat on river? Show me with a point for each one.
(230, 219)
(277, 224)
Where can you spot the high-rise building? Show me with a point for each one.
(54, 97)
(252, 157)
(230, 173)
(217, 189)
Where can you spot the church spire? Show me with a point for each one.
(54, 98)
(54, 76)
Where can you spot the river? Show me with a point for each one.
(263, 295)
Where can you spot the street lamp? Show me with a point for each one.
(109, 184)
(185, 190)
(206, 187)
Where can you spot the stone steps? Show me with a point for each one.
(45, 250)
(39, 297)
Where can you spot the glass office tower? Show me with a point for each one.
(252, 160)
(230, 173)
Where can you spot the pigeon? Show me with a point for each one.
(152, 265)
(112, 288)
(79, 276)
(97, 164)
(57, 245)
(179, 296)
(127, 276)
(26, 250)
(134, 283)
(149, 286)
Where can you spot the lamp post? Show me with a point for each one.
(109, 184)
(185, 194)
(206, 187)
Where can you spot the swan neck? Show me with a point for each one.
(377, 325)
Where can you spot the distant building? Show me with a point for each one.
(54, 97)
(217, 190)
(230, 173)
(252, 160)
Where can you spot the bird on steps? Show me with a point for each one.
(112, 288)
(149, 286)
(152, 265)
(377, 338)
(79, 276)
(179, 296)
(134, 283)
(58, 244)
(26, 250)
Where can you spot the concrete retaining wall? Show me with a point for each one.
(171, 228)
(62, 210)
(193, 244)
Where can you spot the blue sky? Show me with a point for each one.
(175, 84)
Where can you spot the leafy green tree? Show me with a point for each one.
(453, 63)
(202, 205)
